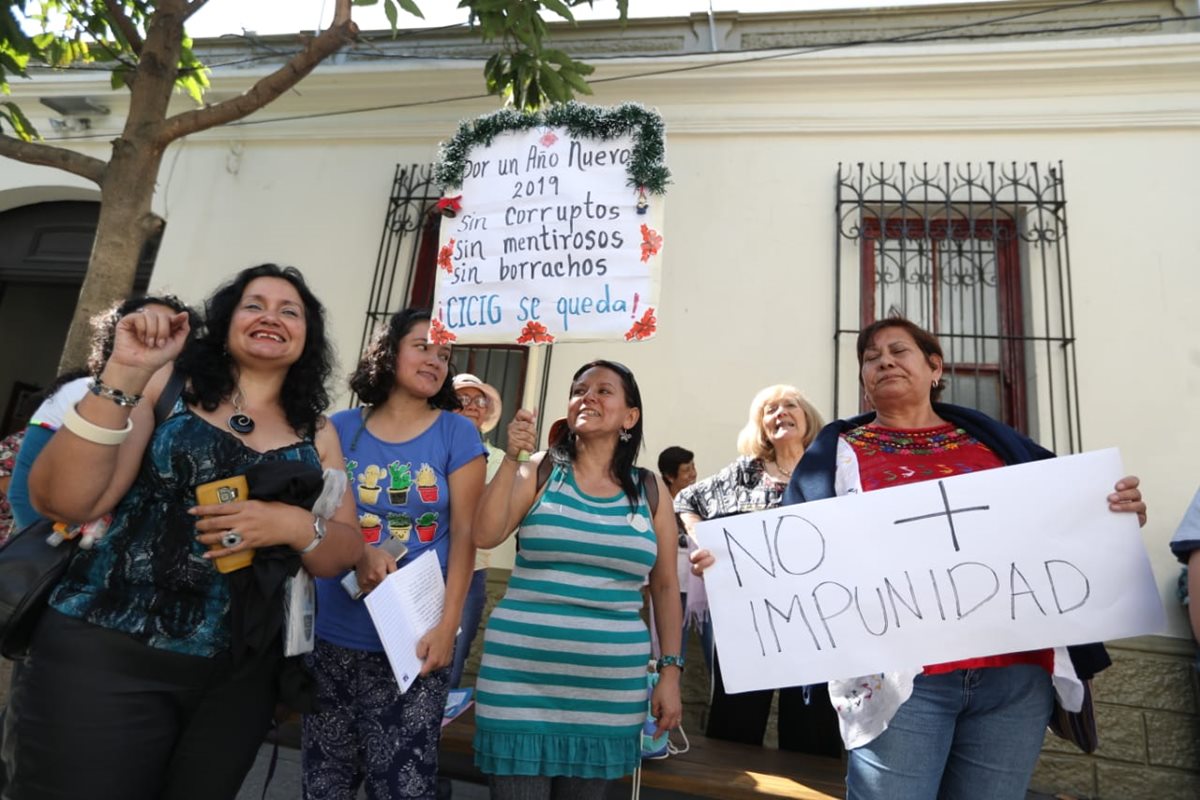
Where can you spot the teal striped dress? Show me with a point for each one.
(562, 685)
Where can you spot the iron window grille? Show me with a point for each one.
(404, 276)
(977, 254)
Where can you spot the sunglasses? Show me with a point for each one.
(479, 401)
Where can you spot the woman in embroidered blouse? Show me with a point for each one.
(135, 686)
(782, 424)
(970, 728)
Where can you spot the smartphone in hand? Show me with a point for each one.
(226, 490)
(393, 547)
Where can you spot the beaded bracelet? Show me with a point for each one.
(101, 389)
(670, 661)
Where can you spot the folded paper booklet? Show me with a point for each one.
(404, 607)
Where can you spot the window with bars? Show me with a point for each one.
(977, 254)
(405, 274)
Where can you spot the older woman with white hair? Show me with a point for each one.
(480, 403)
(781, 424)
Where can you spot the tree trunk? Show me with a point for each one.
(125, 225)
(126, 191)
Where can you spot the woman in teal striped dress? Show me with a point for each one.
(561, 694)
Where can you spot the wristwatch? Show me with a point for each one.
(670, 661)
(318, 534)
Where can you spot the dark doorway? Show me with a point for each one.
(44, 250)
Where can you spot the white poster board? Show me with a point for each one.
(548, 244)
(999, 561)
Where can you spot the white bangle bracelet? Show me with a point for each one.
(94, 433)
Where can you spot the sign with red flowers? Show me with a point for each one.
(548, 236)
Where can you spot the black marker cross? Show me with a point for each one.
(948, 514)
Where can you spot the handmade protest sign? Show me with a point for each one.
(554, 228)
(999, 561)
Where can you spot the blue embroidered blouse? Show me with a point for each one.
(147, 576)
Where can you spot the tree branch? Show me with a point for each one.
(45, 155)
(193, 7)
(125, 25)
(317, 49)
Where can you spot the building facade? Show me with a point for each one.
(1019, 176)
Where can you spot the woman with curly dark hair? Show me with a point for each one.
(417, 471)
(136, 684)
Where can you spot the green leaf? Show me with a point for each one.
(492, 63)
(389, 9)
(557, 56)
(554, 86)
(526, 37)
(17, 120)
(559, 8)
(13, 62)
(411, 8)
(576, 82)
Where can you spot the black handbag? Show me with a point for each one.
(1077, 727)
(30, 567)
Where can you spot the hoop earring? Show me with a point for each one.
(624, 435)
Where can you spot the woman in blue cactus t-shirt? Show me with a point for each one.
(416, 471)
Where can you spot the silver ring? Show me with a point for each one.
(231, 538)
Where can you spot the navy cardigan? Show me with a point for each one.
(814, 475)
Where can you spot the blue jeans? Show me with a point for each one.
(472, 614)
(964, 734)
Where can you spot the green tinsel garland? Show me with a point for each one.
(646, 167)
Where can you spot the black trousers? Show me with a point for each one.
(803, 728)
(96, 714)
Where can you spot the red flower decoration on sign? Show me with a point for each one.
(535, 333)
(548, 139)
(438, 333)
(449, 206)
(644, 328)
(447, 250)
(651, 242)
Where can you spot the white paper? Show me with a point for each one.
(549, 243)
(404, 607)
(880, 581)
(299, 614)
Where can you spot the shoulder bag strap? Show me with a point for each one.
(170, 393)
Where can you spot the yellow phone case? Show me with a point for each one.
(226, 490)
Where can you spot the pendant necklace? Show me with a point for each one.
(239, 422)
